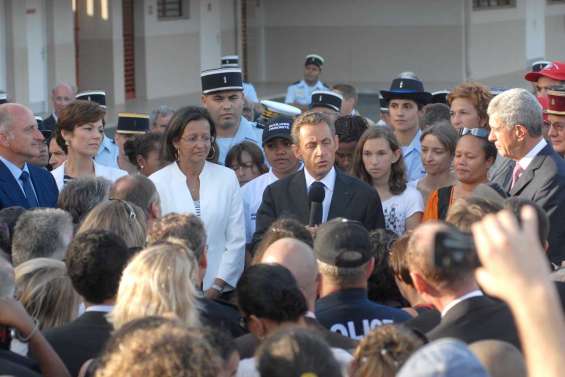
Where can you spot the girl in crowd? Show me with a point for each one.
(468, 103)
(378, 161)
(247, 160)
(474, 155)
(79, 134)
(190, 183)
(438, 149)
(144, 152)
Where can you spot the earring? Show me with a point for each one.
(178, 154)
(141, 166)
(212, 153)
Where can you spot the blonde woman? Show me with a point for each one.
(46, 292)
(123, 218)
(157, 282)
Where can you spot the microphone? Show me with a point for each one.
(316, 196)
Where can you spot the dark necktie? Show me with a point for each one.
(28, 189)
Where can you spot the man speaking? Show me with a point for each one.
(339, 195)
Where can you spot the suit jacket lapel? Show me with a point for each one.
(11, 187)
(299, 198)
(529, 173)
(341, 196)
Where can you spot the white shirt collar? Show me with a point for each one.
(328, 180)
(100, 308)
(475, 293)
(527, 159)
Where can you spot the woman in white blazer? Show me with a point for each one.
(79, 133)
(191, 184)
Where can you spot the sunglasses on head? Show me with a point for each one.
(477, 132)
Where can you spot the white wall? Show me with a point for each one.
(555, 32)
(365, 41)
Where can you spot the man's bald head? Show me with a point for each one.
(11, 113)
(137, 189)
(62, 95)
(299, 259)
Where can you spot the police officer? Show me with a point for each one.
(345, 261)
(299, 93)
(108, 152)
(277, 146)
(222, 96)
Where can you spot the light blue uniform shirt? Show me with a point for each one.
(301, 93)
(17, 172)
(247, 131)
(108, 153)
(412, 154)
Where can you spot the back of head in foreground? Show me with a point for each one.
(158, 281)
(443, 358)
(383, 352)
(82, 194)
(41, 233)
(296, 352)
(499, 358)
(158, 347)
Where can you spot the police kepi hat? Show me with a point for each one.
(440, 96)
(132, 123)
(383, 104)
(221, 79)
(273, 109)
(554, 70)
(343, 243)
(314, 59)
(556, 101)
(325, 98)
(229, 61)
(405, 88)
(98, 96)
(3, 98)
(278, 127)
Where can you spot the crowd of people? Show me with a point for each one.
(241, 237)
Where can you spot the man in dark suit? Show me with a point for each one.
(299, 259)
(538, 174)
(95, 261)
(315, 143)
(22, 184)
(61, 96)
(466, 314)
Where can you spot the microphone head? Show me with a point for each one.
(316, 193)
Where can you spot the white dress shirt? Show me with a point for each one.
(475, 293)
(329, 184)
(528, 158)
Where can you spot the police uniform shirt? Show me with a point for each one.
(412, 158)
(350, 313)
(249, 92)
(247, 131)
(107, 153)
(301, 93)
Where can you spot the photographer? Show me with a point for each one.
(466, 314)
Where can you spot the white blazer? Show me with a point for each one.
(221, 211)
(111, 174)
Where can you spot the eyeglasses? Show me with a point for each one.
(129, 208)
(477, 132)
(555, 125)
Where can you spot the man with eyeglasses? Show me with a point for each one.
(556, 118)
(516, 121)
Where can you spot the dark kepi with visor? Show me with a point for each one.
(324, 98)
(221, 79)
(132, 123)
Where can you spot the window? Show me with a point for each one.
(172, 9)
(493, 4)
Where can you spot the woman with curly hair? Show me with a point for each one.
(384, 351)
(378, 161)
(468, 103)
